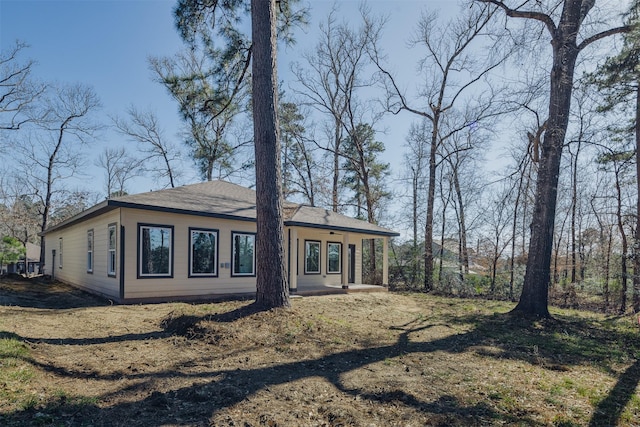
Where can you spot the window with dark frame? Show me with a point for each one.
(334, 258)
(311, 257)
(243, 257)
(155, 250)
(203, 252)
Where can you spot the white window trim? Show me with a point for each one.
(112, 272)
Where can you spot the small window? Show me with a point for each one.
(334, 257)
(155, 250)
(90, 251)
(244, 257)
(60, 252)
(111, 251)
(203, 253)
(311, 257)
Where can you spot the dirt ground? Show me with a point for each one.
(375, 359)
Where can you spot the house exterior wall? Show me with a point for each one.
(132, 286)
(75, 253)
(181, 285)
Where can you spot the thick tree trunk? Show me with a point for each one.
(534, 298)
(271, 277)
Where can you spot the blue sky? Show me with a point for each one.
(106, 43)
(101, 43)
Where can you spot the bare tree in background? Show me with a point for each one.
(119, 168)
(497, 220)
(619, 81)
(451, 71)
(620, 162)
(519, 179)
(50, 153)
(299, 165)
(563, 20)
(143, 127)
(415, 161)
(335, 76)
(461, 153)
(18, 91)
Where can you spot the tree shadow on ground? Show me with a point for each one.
(608, 412)
(551, 344)
(46, 294)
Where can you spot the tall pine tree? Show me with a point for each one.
(619, 80)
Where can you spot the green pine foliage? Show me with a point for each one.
(11, 250)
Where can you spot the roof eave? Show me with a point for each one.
(155, 208)
(93, 211)
(383, 233)
(111, 204)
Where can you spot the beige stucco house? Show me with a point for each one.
(198, 241)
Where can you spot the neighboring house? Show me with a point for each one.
(33, 262)
(198, 241)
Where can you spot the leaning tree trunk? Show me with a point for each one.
(271, 277)
(535, 290)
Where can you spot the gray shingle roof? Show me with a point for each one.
(322, 218)
(219, 198)
(223, 199)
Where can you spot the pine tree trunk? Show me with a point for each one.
(271, 277)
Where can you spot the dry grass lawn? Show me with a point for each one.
(379, 359)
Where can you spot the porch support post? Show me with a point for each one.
(344, 263)
(293, 259)
(385, 261)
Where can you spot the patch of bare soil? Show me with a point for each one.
(376, 359)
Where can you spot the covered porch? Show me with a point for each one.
(331, 261)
